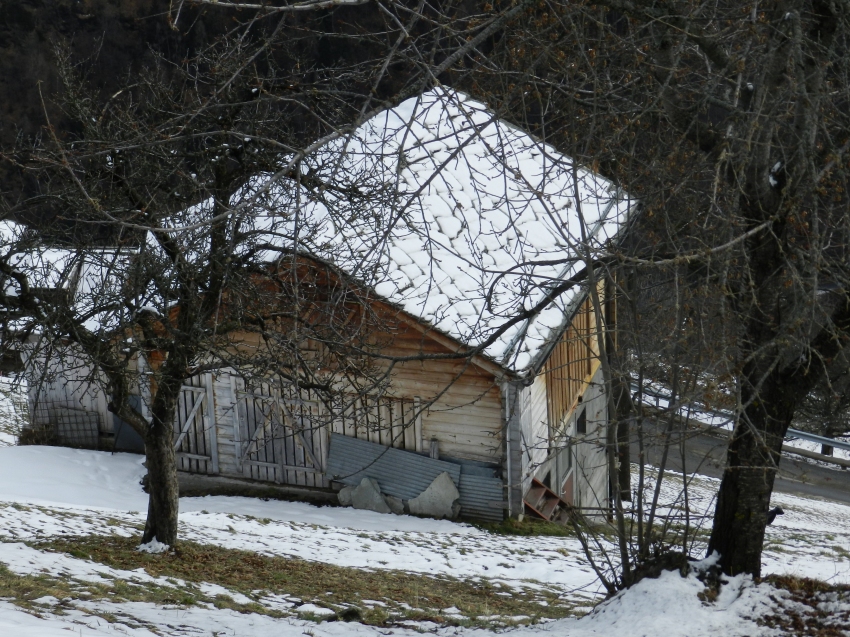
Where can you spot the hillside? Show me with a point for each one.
(69, 519)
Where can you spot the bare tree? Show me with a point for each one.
(729, 122)
(187, 201)
(161, 187)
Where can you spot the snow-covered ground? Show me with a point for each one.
(53, 492)
(667, 606)
(811, 539)
(694, 413)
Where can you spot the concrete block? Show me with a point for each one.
(438, 500)
(344, 496)
(395, 504)
(367, 496)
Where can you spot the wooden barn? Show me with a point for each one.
(494, 224)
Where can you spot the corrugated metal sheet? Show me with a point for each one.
(405, 474)
(482, 497)
(473, 467)
(402, 474)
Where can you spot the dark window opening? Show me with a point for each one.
(581, 423)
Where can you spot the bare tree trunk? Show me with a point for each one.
(623, 409)
(163, 504)
(752, 458)
(624, 416)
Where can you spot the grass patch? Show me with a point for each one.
(526, 527)
(805, 586)
(26, 590)
(406, 595)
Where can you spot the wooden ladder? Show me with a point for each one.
(542, 502)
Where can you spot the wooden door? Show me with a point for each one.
(194, 428)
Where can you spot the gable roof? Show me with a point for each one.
(469, 222)
(473, 221)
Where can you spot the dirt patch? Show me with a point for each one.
(812, 607)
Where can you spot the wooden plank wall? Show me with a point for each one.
(224, 392)
(271, 435)
(257, 443)
(63, 387)
(385, 420)
(462, 406)
(591, 466)
(451, 401)
(572, 364)
(197, 442)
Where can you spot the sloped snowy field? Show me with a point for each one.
(50, 492)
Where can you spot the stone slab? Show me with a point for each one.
(438, 500)
(367, 496)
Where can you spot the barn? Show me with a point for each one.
(487, 311)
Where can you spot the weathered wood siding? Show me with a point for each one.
(276, 436)
(195, 443)
(450, 405)
(570, 462)
(226, 422)
(536, 435)
(451, 401)
(461, 403)
(62, 398)
(591, 469)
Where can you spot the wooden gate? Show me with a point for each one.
(195, 441)
(281, 438)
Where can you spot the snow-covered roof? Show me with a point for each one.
(460, 219)
(472, 220)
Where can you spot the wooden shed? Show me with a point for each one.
(490, 227)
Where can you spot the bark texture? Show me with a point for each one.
(163, 504)
(744, 497)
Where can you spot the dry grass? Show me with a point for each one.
(526, 527)
(25, 589)
(406, 595)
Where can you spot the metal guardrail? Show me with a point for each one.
(791, 433)
(804, 435)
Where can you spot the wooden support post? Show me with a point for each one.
(513, 447)
(417, 422)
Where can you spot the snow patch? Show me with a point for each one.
(312, 609)
(154, 546)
